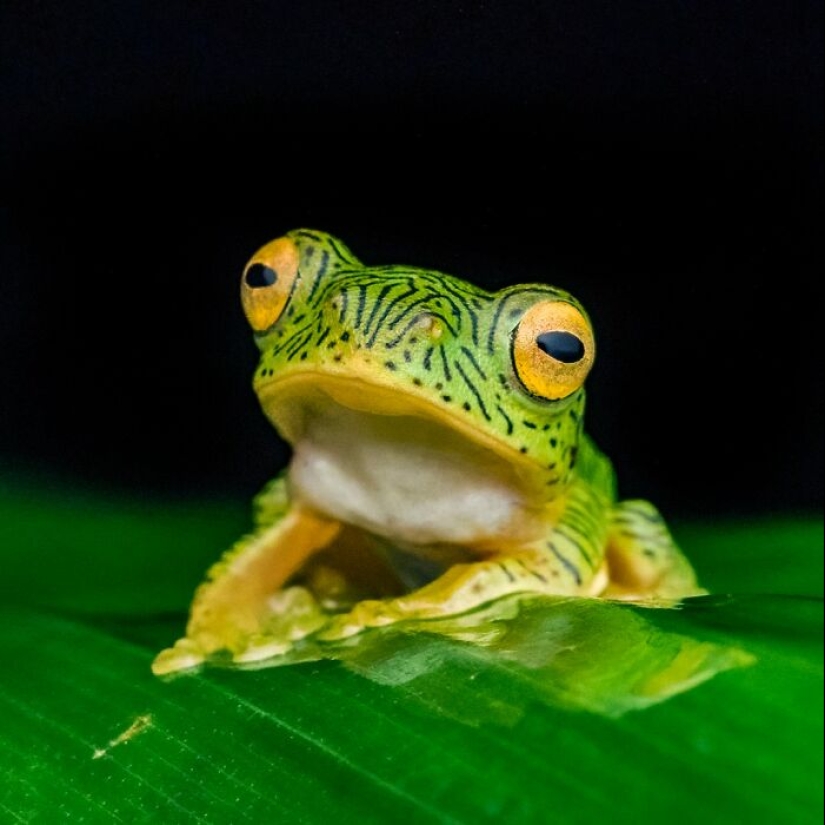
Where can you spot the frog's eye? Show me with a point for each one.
(267, 283)
(553, 349)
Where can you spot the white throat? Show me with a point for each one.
(405, 478)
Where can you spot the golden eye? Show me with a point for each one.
(267, 282)
(553, 349)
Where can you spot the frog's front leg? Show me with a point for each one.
(645, 563)
(240, 608)
(568, 561)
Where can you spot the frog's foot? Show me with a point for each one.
(645, 563)
(291, 614)
(462, 588)
(242, 610)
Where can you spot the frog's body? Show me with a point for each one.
(439, 458)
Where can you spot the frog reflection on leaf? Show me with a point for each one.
(574, 654)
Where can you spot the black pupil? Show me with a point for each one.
(259, 275)
(563, 346)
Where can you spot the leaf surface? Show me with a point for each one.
(419, 726)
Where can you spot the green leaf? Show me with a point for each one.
(568, 712)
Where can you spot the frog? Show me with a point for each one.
(439, 460)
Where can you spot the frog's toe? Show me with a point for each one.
(292, 615)
(366, 614)
(185, 654)
(260, 648)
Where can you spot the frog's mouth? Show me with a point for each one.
(291, 402)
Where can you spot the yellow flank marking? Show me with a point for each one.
(137, 727)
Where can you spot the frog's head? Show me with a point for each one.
(503, 372)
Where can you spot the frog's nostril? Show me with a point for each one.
(260, 275)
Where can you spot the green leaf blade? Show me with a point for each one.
(312, 741)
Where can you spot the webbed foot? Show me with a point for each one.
(292, 614)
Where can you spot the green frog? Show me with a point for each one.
(439, 460)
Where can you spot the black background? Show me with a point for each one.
(662, 161)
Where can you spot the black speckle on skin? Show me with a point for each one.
(529, 424)
(466, 406)
(417, 382)
(554, 442)
(345, 336)
(304, 356)
(407, 356)
(390, 365)
(552, 465)
(574, 454)
(522, 450)
(446, 398)
(439, 386)
(337, 357)
(413, 340)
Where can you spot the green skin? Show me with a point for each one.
(415, 363)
